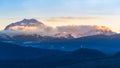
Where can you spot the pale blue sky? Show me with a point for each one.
(50, 8)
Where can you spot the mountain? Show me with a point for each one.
(109, 62)
(106, 43)
(26, 24)
(88, 53)
(14, 56)
(54, 60)
(30, 32)
(78, 56)
(97, 63)
(14, 52)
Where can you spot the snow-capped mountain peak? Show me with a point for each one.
(26, 24)
(30, 22)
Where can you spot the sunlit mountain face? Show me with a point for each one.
(25, 25)
(103, 28)
(33, 26)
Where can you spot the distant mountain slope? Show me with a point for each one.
(10, 51)
(105, 43)
(97, 63)
(105, 62)
(88, 53)
(78, 56)
(53, 61)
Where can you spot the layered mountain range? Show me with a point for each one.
(32, 44)
(30, 32)
(15, 56)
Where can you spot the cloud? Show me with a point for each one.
(82, 30)
(75, 31)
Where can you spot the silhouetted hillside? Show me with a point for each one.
(53, 61)
(10, 51)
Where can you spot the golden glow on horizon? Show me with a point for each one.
(103, 28)
(112, 22)
(24, 28)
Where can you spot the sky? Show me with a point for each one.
(99, 12)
